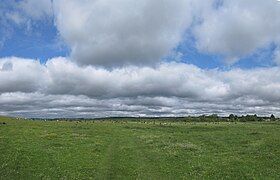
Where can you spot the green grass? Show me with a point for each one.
(131, 150)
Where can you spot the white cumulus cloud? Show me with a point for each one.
(238, 28)
(121, 32)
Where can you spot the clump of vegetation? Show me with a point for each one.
(167, 120)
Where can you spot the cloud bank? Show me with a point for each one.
(62, 88)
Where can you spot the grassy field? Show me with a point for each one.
(134, 150)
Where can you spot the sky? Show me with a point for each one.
(104, 58)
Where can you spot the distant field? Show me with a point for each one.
(134, 150)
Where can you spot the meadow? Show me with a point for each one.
(138, 150)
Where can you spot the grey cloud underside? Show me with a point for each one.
(67, 106)
(63, 89)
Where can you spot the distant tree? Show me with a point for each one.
(214, 116)
(251, 117)
(254, 118)
(242, 118)
(272, 117)
(231, 117)
(202, 118)
(211, 118)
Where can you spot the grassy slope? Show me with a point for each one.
(34, 150)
